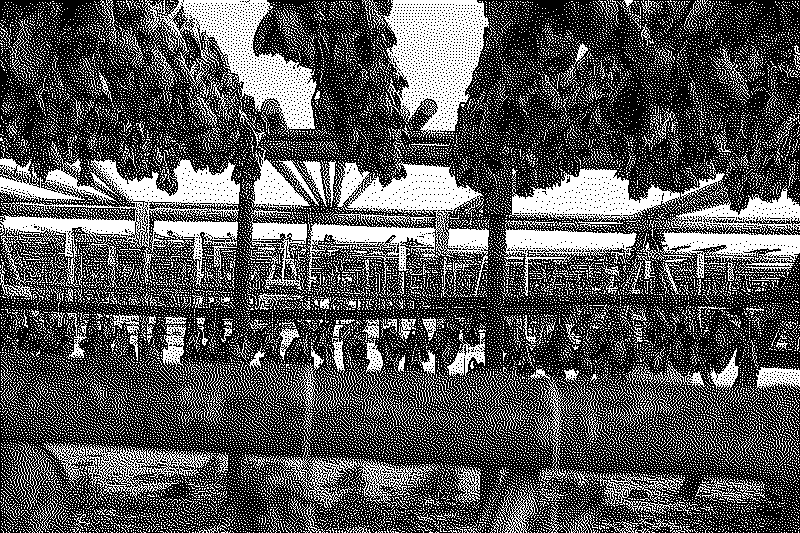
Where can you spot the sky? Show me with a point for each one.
(438, 47)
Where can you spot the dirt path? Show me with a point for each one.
(130, 484)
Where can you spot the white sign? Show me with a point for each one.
(401, 257)
(112, 256)
(648, 269)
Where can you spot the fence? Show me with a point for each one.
(473, 420)
(479, 420)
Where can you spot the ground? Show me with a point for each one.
(126, 493)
